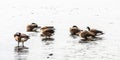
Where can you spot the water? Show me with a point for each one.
(15, 15)
(62, 45)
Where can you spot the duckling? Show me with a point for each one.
(74, 30)
(20, 37)
(32, 27)
(47, 31)
(86, 35)
(95, 31)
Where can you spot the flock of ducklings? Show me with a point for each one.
(49, 31)
(86, 34)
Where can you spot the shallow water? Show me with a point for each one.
(62, 46)
(15, 15)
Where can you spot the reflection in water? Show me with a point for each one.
(21, 53)
(95, 39)
(74, 36)
(98, 38)
(48, 41)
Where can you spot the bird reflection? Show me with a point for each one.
(21, 53)
(47, 39)
(87, 41)
(74, 36)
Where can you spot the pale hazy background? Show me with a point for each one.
(99, 14)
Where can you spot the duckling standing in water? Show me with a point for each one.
(95, 31)
(19, 37)
(47, 31)
(32, 27)
(74, 30)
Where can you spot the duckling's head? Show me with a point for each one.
(88, 28)
(18, 34)
(33, 23)
(74, 26)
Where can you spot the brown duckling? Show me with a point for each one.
(86, 35)
(47, 31)
(32, 27)
(74, 30)
(20, 37)
(95, 31)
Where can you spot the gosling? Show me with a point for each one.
(74, 30)
(95, 31)
(86, 35)
(47, 31)
(32, 27)
(20, 37)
